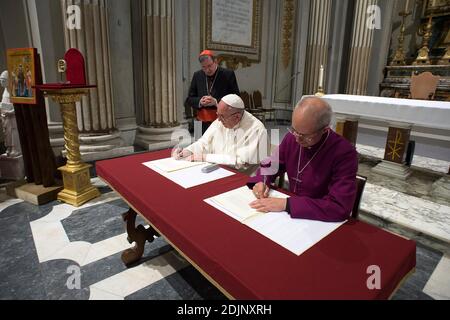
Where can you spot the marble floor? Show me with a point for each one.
(56, 251)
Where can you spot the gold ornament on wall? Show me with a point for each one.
(232, 61)
(288, 17)
(445, 59)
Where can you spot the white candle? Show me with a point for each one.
(321, 77)
(406, 6)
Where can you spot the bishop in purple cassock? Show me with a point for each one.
(321, 167)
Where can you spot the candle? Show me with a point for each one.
(406, 6)
(321, 77)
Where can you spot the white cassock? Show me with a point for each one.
(241, 146)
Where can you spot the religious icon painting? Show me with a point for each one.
(22, 75)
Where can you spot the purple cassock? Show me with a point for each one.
(322, 177)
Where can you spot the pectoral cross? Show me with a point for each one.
(297, 180)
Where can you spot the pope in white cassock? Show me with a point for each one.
(236, 138)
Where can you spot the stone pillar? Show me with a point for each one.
(99, 137)
(158, 75)
(317, 45)
(361, 44)
(347, 127)
(394, 153)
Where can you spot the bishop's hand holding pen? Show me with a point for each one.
(261, 191)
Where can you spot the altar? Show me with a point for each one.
(400, 116)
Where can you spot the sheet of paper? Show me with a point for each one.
(295, 235)
(237, 201)
(170, 164)
(191, 176)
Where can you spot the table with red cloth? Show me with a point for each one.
(244, 264)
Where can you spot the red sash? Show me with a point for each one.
(207, 114)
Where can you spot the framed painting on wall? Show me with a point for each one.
(233, 26)
(21, 65)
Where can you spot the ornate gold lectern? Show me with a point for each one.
(76, 178)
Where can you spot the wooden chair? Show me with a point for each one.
(360, 184)
(423, 86)
(283, 183)
(245, 96)
(258, 105)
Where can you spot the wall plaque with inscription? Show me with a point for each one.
(233, 26)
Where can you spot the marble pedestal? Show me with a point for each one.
(11, 167)
(162, 138)
(392, 169)
(93, 147)
(37, 194)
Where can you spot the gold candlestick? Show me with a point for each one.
(445, 59)
(399, 55)
(76, 178)
(423, 54)
(320, 92)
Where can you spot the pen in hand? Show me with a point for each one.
(178, 153)
(264, 184)
(265, 164)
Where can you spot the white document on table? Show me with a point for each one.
(295, 235)
(189, 176)
(236, 203)
(170, 164)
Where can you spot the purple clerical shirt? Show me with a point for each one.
(326, 188)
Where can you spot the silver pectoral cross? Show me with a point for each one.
(297, 180)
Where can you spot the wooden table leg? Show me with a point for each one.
(138, 234)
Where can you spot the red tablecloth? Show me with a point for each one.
(247, 264)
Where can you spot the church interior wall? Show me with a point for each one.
(120, 42)
(249, 78)
(23, 23)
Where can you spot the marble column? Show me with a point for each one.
(394, 153)
(99, 137)
(347, 127)
(361, 44)
(159, 118)
(317, 44)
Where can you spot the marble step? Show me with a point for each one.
(435, 165)
(411, 212)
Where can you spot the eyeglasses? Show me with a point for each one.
(303, 136)
(223, 118)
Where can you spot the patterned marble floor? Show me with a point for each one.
(46, 249)
(56, 251)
